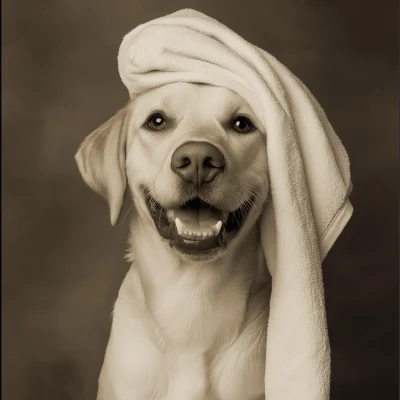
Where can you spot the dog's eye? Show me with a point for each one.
(242, 125)
(156, 122)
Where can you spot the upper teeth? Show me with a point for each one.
(213, 230)
(179, 226)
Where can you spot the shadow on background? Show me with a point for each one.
(62, 262)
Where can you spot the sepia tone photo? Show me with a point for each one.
(199, 201)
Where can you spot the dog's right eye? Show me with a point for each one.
(156, 122)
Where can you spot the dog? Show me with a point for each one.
(191, 315)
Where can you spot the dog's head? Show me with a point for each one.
(195, 160)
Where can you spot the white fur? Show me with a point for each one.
(185, 329)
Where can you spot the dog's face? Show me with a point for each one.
(195, 161)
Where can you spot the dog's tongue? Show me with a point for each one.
(196, 218)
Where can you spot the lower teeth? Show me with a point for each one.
(213, 230)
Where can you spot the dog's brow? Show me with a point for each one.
(161, 104)
(233, 104)
(233, 109)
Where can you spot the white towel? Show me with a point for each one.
(309, 177)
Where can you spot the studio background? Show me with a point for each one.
(62, 261)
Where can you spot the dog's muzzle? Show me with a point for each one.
(195, 226)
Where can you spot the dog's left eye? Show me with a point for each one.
(242, 125)
(156, 122)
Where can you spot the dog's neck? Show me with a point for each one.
(159, 266)
(186, 299)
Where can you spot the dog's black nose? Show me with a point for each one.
(197, 162)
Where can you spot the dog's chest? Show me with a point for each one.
(215, 340)
(193, 315)
(188, 344)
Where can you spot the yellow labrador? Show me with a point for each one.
(191, 315)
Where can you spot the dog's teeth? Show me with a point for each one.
(215, 230)
(179, 225)
(217, 227)
(170, 215)
(225, 216)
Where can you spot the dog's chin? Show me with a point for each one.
(196, 230)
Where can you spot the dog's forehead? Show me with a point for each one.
(181, 96)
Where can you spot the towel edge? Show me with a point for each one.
(336, 227)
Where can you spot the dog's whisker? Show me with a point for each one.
(127, 213)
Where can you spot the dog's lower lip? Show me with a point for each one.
(195, 245)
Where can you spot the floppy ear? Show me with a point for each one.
(101, 161)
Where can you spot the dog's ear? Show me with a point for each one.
(101, 161)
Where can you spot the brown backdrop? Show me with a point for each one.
(62, 262)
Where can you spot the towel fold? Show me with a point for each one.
(309, 179)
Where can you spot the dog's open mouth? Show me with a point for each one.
(196, 226)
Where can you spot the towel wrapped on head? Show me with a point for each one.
(309, 179)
